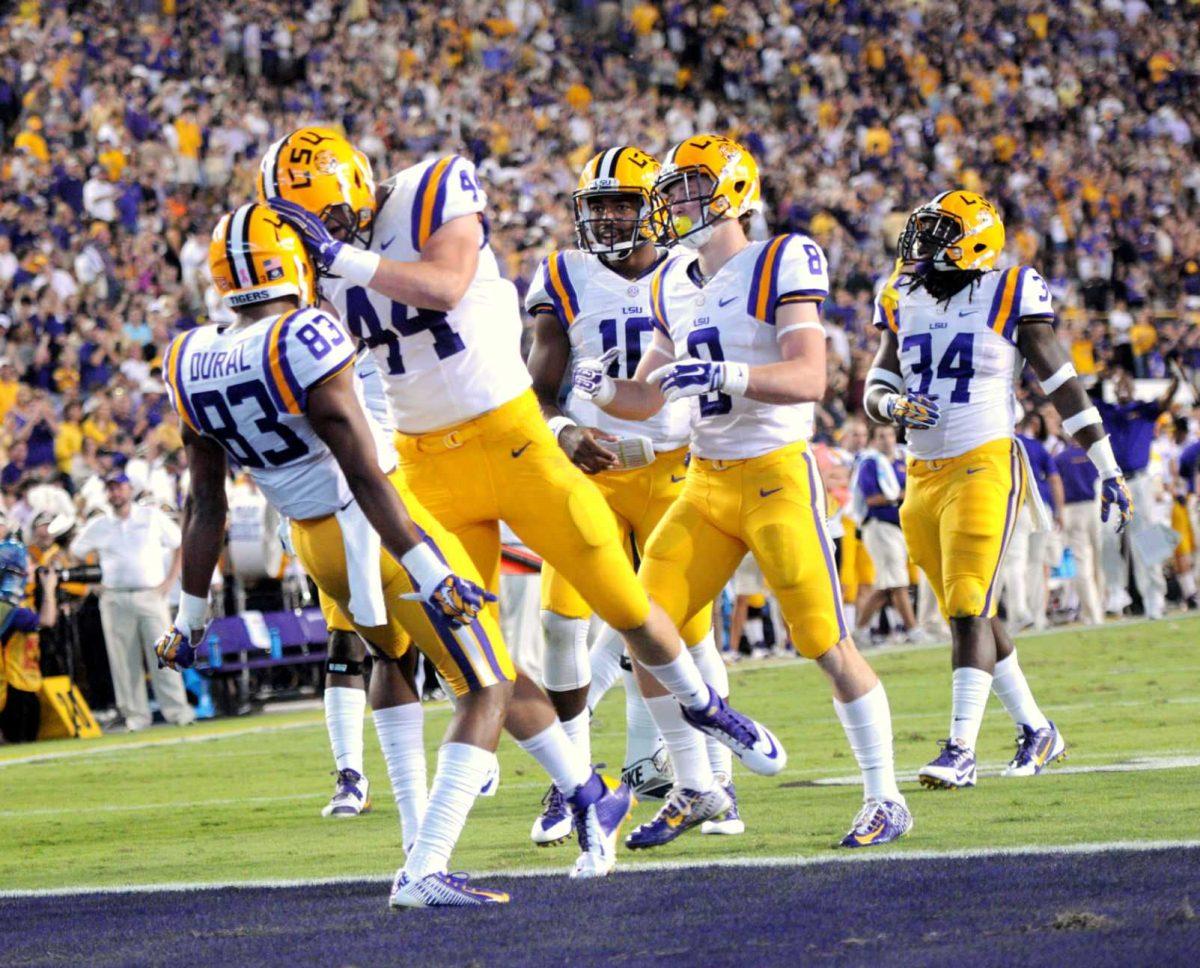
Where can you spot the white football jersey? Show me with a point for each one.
(963, 353)
(440, 368)
(247, 388)
(732, 317)
(600, 309)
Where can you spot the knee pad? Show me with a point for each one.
(346, 652)
(592, 517)
(965, 597)
(565, 664)
(778, 554)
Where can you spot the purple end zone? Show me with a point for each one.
(1118, 908)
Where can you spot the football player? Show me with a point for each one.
(952, 345)
(738, 332)
(411, 272)
(278, 393)
(589, 302)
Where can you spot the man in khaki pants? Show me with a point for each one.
(1081, 529)
(133, 605)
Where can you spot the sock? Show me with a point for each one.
(712, 667)
(867, 721)
(683, 680)
(461, 771)
(642, 739)
(559, 757)
(688, 753)
(344, 706)
(401, 732)
(850, 610)
(579, 732)
(605, 657)
(969, 699)
(1187, 584)
(1008, 683)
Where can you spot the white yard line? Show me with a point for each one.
(1134, 765)
(841, 857)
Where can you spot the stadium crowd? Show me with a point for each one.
(128, 129)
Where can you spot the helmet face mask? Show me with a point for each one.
(957, 230)
(615, 222)
(693, 208)
(928, 234)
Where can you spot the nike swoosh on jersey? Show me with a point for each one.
(972, 312)
(726, 302)
(974, 470)
(676, 480)
(388, 243)
(518, 451)
(765, 493)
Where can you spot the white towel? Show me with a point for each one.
(362, 567)
(1042, 519)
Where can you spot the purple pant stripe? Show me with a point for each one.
(826, 548)
(1010, 523)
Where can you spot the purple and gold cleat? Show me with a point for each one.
(683, 810)
(879, 822)
(350, 796)
(599, 807)
(953, 768)
(1036, 749)
(751, 742)
(555, 823)
(440, 889)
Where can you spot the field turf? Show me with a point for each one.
(239, 801)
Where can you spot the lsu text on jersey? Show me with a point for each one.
(966, 481)
(246, 388)
(752, 484)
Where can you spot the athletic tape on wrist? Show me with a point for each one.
(1101, 455)
(1058, 378)
(559, 424)
(356, 266)
(193, 612)
(604, 395)
(737, 378)
(878, 376)
(426, 569)
(1085, 418)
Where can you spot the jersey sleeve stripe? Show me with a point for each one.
(1002, 302)
(891, 316)
(658, 305)
(439, 199)
(429, 191)
(773, 292)
(330, 374)
(286, 391)
(801, 295)
(561, 290)
(758, 303)
(1010, 326)
(175, 381)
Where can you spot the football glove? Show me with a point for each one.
(174, 649)
(1114, 491)
(694, 378)
(323, 246)
(458, 600)
(591, 380)
(910, 410)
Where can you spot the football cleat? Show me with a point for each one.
(555, 824)
(683, 810)
(350, 796)
(652, 777)
(731, 824)
(879, 822)
(440, 889)
(953, 768)
(599, 808)
(751, 742)
(1036, 749)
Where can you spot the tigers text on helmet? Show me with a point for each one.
(622, 173)
(255, 256)
(956, 230)
(321, 171)
(715, 172)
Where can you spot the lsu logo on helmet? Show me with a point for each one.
(955, 230)
(321, 171)
(255, 256)
(714, 171)
(617, 208)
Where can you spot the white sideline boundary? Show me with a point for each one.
(847, 857)
(1136, 765)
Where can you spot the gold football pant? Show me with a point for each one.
(505, 465)
(468, 658)
(958, 516)
(639, 498)
(772, 506)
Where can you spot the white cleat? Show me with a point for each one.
(651, 778)
(599, 808)
(440, 889)
(350, 797)
(1036, 749)
(731, 824)
(555, 823)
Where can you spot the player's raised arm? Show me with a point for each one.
(1039, 345)
(636, 399)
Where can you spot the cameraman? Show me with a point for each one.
(20, 664)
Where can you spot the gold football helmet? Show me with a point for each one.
(955, 230)
(321, 171)
(714, 171)
(611, 184)
(255, 256)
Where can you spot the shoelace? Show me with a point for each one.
(676, 804)
(737, 726)
(347, 786)
(866, 816)
(952, 751)
(554, 802)
(1026, 744)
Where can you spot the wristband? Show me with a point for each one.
(559, 424)
(878, 376)
(192, 614)
(425, 568)
(604, 395)
(356, 266)
(735, 378)
(1058, 378)
(1101, 455)
(1085, 418)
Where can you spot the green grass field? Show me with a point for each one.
(240, 799)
